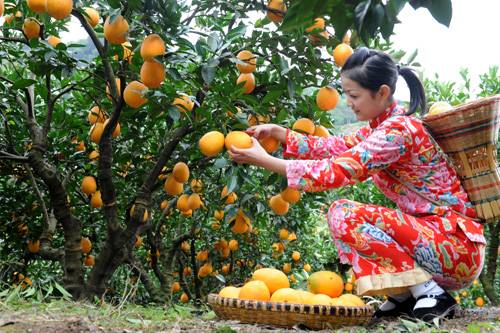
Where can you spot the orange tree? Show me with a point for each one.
(102, 176)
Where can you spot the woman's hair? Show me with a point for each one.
(371, 69)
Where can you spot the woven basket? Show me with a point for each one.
(468, 134)
(315, 317)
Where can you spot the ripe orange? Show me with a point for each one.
(116, 131)
(184, 298)
(317, 39)
(341, 53)
(182, 203)
(34, 246)
(238, 139)
(233, 245)
(211, 143)
(89, 261)
(283, 233)
(260, 119)
(325, 282)
(276, 17)
(249, 84)
(86, 245)
(219, 215)
(231, 198)
(290, 195)
(116, 31)
(138, 241)
(278, 205)
(181, 172)
(296, 256)
(118, 87)
(351, 299)
(185, 246)
(240, 226)
(321, 299)
(230, 292)
(205, 270)
(292, 237)
(202, 255)
(96, 115)
(53, 40)
(89, 185)
(176, 286)
(255, 290)
(321, 131)
(152, 46)
(307, 267)
(96, 200)
(286, 295)
(152, 73)
(270, 144)
(319, 24)
(173, 187)
(37, 6)
(287, 267)
(59, 9)
(92, 16)
(479, 302)
(80, 146)
(183, 103)
(31, 28)
(134, 94)
(194, 201)
(250, 62)
(94, 155)
(196, 185)
(348, 287)
(164, 204)
(96, 132)
(327, 98)
(304, 125)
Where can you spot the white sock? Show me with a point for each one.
(429, 287)
(388, 305)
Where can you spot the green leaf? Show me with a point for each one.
(291, 88)
(412, 56)
(272, 96)
(221, 163)
(213, 42)
(233, 184)
(23, 83)
(441, 10)
(360, 13)
(208, 73)
(62, 291)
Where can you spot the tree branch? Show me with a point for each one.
(17, 40)
(8, 156)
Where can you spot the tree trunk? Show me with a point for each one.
(489, 272)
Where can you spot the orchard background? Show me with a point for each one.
(127, 240)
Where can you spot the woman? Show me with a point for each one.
(413, 254)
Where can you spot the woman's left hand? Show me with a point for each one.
(256, 155)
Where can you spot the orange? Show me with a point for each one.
(211, 143)
(184, 298)
(173, 187)
(181, 172)
(348, 287)
(89, 185)
(307, 267)
(250, 62)
(96, 132)
(80, 146)
(352, 300)
(202, 255)
(176, 286)
(269, 144)
(238, 139)
(92, 16)
(317, 40)
(116, 131)
(296, 256)
(283, 233)
(320, 299)
(231, 198)
(86, 245)
(240, 226)
(233, 245)
(275, 16)
(152, 73)
(249, 82)
(272, 277)
(94, 155)
(278, 205)
(182, 203)
(134, 94)
(225, 253)
(59, 9)
(219, 215)
(287, 268)
(327, 98)
(439, 107)
(304, 125)
(194, 201)
(319, 24)
(292, 237)
(96, 115)
(305, 296)
(185, 247)
(286, 295)
(183, 103)
(205, 270)
(89, 261)
(53, 40)
(321, 131)
(215, 226)
(31, 28)
(341, 53)
(116, 31)
(152, 46)
(260, 119)
(230, 292)
(33, 246)
(118, 87)
(255, 290)
(37, 6)
(196, 185)
(290, 195)
(479, 302)
(138, 241)
(96, 200)
(164, 204)
(325, 282)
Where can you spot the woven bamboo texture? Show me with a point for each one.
(468, 134)
(315, 317)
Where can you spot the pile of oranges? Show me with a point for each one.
(270, 284)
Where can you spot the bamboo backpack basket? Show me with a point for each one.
(468, 135)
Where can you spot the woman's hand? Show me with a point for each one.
(267, 130)
(255, 155)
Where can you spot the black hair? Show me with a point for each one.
(371, 69)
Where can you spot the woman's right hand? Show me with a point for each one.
(267, 130)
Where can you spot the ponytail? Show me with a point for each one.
(417, 93)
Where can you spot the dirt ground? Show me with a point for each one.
(85, 318)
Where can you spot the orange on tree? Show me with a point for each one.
(181, 172)
(152, 73)
(479, 302)
(34, 246)
(96, 115)
(116, 131)
(187, 213)
(134, 94)
(219, 215)
(215, 226)
(183, 103)
(116, 29)
(176, 286)
(250, 62)
(276, 10)
(85, 244)
(319, 24)
(96, 200)
(278, 205)
(89, 185)
(304, 125)
(202, 255)
(93, 155)
(269, 144)
(296, 255)
(341, 53)
(225, 270)
(138, 241)
(325, 282)
(194, 201)
(92, 16)
(184, 298)
(283, 233)
(292, 237)
(59, 9)
(163, 204)
(37, 6)
(182, 202)
(211, 143)
(185, 246)
(290, 195)
(249, 82)
(260, 119)
(196, 185)
(205, 270)
(233, 245)
(118, 87)
(316, 39)
(286, 295)
(53, 40)
(152, 46)
(238, 139)
(80, 146)
(230, 292)
(241, 225)
(255, 290)
(31, 28)
(89, 261)
(287, 267)
(96, 132)
(321, 131)
(327, 98)
(231, 198)
(307, 267)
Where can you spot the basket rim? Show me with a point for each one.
(472, 104)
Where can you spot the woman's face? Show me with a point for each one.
(365, 104)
